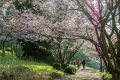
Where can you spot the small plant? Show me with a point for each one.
(64, 66)
(70, 70)
(106, 76)
(57, 66)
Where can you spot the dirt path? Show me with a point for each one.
(87, 74)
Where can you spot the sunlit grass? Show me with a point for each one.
(106, 75)
(10, 63)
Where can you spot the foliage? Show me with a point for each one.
(64, 66)
(103, 16)
(11, 47)
(7, 31)
(17, 48)
(22, 5)
(70, 70)
(38, 50)
(35, 27)
(64, 49)
(106, 76)
(25, 69)
(96, 21)
(57, 66)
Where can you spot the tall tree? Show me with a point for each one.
(104, 17)
(52, 23)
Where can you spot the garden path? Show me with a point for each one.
(87, 74)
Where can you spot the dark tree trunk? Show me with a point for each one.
(101, 65)
(3, 48)
(115, 73)
(115, 76)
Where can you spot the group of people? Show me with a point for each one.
(78, 63)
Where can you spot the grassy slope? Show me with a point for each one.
(25, 68)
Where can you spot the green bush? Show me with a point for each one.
(37, 50)
(70, 70)
(106, 76)
(64, 66)
(57, 66)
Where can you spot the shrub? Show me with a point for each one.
(64, 66)
(106, 76)
(70, 70)
(37, 50)
(57, 66)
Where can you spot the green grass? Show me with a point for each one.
(25, 68)
(106, 75)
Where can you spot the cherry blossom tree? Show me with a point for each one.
(44, 20)
(6, 30)
(104, 17)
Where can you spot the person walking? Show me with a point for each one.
(74, 63)
(78, 63)
(83, 63)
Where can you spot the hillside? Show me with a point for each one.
(25, 69)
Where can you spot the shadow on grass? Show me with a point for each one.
(21, 73)
(25, 73)
(17, 69)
